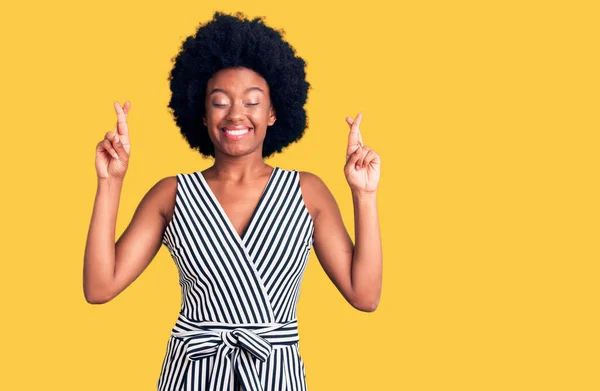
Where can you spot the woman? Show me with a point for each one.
(240, 232)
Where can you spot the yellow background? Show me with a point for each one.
(486, 118)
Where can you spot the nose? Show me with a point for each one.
(236, 112)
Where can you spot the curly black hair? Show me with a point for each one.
(231, 41)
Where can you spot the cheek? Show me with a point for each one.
(212, 117)
(261, 117)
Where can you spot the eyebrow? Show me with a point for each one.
(214, 90)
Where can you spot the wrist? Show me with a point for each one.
(110, 183)
(360, 195)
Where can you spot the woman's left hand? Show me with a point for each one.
(362, 163)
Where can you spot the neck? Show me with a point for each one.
(237, 168)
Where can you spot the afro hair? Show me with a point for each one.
(232, 41)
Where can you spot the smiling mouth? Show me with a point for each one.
(236, 133)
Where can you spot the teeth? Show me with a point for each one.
(237, 132)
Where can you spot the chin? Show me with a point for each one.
(238, 150)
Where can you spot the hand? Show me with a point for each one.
(362, 163)
(112, 153)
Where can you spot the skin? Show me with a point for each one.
(235, 97)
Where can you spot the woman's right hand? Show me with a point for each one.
(112, 153)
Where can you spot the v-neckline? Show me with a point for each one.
(222, 210)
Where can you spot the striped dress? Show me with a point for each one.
(237, 328)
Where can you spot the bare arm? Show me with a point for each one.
(356, 270)
(109, 268)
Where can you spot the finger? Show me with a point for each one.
(356, 128)
(354, 136)
(351, 163)
(376, 158)
(117, 125)
(361, 160)
(126, 111)
(121, 120)
(118, 146)
(349, 120)
(115, 143)
(106, 143)
(369, 157)
(359, 119)
(127, 107)
(350, 150)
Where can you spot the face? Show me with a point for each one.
(238, 111)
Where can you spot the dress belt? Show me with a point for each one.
(234, 347)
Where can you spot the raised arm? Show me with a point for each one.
(355, 269)
(108, 267)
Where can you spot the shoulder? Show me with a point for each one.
(162, 195)
(315, 193)
(310, 181)
(165, 187)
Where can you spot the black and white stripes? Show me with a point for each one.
(237, 288)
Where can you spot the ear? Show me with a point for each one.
(204, 120)
(272, 116)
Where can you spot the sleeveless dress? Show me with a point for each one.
(237, 327)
